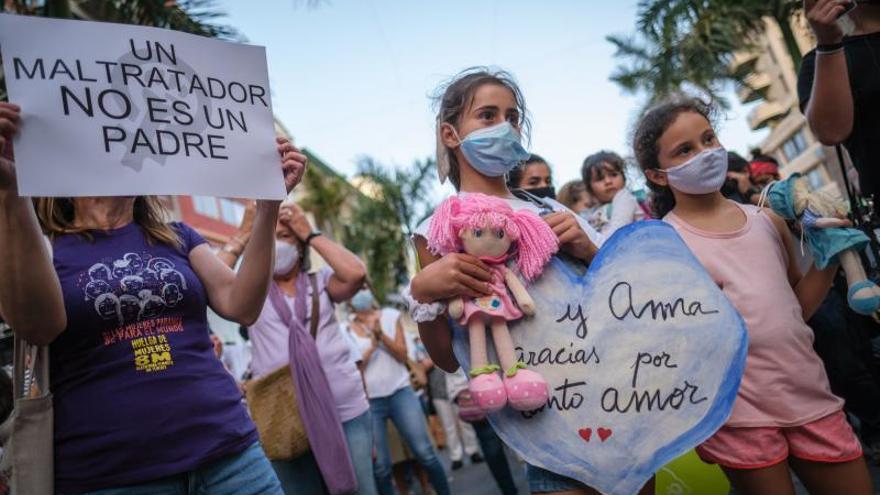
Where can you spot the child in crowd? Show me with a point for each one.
(763, 169)
(785, 414)
(574, 196)
(479, 127)
(534, 176)
(738, 186)
(603, 175)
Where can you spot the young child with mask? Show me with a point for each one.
(480, 124)
(785, 414)
(533, 176)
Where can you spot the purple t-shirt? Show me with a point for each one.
(138, 392)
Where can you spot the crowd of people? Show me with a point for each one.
(105, 282)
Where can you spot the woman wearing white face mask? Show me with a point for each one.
(316, 471)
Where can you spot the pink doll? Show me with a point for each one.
(488, 228)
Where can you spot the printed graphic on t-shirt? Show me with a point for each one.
(133, 292)
(152, 353)
(134, 287)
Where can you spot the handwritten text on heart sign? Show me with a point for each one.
(643, 354)
(570, 395)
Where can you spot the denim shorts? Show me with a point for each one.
(541, 481)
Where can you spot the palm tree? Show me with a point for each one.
(692, 42)
(326, 194)
(667, 67)
(374, 233)
(396, 200)
(406, 190)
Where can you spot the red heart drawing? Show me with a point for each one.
(604, 433)
(585, 433)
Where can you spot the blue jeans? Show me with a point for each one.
(359, 435)
(302, 476)
(496, 459)
(543, 481)
(403, 408)
(248, 473)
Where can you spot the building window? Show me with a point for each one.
(816, 178)
(795, 145)
(231, 212)
(206, 205)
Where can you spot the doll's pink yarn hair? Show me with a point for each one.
(535, 240)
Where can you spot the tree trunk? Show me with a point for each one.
(794, 50)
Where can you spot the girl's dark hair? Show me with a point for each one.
(455, 96)
(515, 175)
(736, 163)
(649, 130)
(594, 165)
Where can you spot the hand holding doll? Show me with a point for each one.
(489, 229)
(827, 232)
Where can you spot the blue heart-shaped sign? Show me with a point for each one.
(643, 355)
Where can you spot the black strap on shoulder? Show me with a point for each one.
(531, 198)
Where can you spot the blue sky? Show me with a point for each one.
(353, 77)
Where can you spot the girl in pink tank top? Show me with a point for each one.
(785, 414)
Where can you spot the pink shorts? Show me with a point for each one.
(827, 439)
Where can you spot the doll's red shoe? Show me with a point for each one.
(487, 389)
(526, 390)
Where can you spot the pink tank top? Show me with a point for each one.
(784, 383)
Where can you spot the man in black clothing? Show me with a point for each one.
(839, 83)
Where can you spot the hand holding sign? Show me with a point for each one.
(293, 163)
(9, 116)
(643, 355)
(135, 110)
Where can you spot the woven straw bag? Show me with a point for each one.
(272, 401)
(273, 406)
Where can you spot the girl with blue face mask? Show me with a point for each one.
(480, 127)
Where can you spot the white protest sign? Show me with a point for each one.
(643, 355)
(122, 110)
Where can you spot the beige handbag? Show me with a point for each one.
(28, 459)
(272, 403)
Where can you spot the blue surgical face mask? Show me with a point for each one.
(362, 301)
(494, 151)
